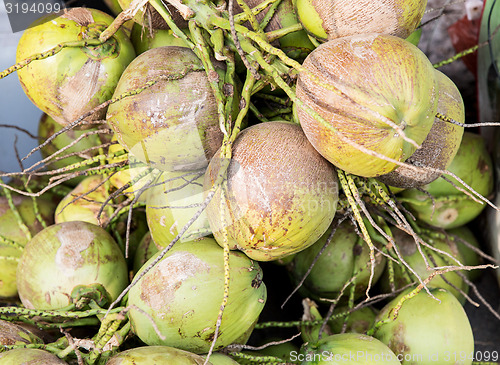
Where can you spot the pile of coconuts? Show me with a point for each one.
(197, 153)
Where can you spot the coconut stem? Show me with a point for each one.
(215, 81)
(109, 326)
(8, 242)
(51, 52)
(121, 18)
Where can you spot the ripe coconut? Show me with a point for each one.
(273, 202)
(381, 80)
(77, 79)
(441, 144)
(328, 19)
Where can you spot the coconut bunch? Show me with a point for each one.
(211, 145)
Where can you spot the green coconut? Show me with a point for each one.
(346, 255)
(348, 349)
(85, 201)
(464, 238)
(427, 331)
(408, 249)
(182, 293)
(172, 202)
(82, 150)
(172, 125)
(12, 231)
(144, 251)
(351, 84)
(77, 254)
(339, 18)
(156, 355)
(77, 79)
(451, 207)
(29, 356)
(441, 144)
(144, 38)
(358, 321)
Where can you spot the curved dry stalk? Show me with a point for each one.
(85, 194)
(25, 131)
(69, 145)
(478, 294)
(474, 248)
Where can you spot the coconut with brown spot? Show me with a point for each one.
(64, 256)
(339, 18)
(77, 79)
(172, 125)
(440, 146)
(181, 295)
(279, 197)
(440, 203)
(369, 89)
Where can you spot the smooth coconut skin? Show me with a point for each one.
(171, 204)
(76, 253)
(359, 321)
(471, 257)
(145, 250)
(75, 80)
(450, 207)
(144, 38)
(182, 295)
(84, 202)
(347, 349)
(441, 144)
(156, 355)
(339, 18)
(380, 78)
(274, 203)
(172, 125)
(428, 331)
(29, 356)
